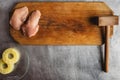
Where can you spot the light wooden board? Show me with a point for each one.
(65, 23)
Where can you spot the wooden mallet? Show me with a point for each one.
(107, 22)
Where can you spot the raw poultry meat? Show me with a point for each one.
(18, 17)
(31, 27)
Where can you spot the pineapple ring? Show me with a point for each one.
(11, 56)
(6, 68)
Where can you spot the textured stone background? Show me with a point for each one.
(66, 62)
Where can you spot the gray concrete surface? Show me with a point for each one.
(66, 62)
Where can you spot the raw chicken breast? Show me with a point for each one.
(31, 27)
(18, 17)
(29, 31)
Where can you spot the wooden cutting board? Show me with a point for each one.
(65, 23)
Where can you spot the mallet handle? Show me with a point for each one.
(107, 34)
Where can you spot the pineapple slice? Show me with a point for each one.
(6, 68)
(11, 56)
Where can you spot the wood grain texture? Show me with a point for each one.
(65, 23)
